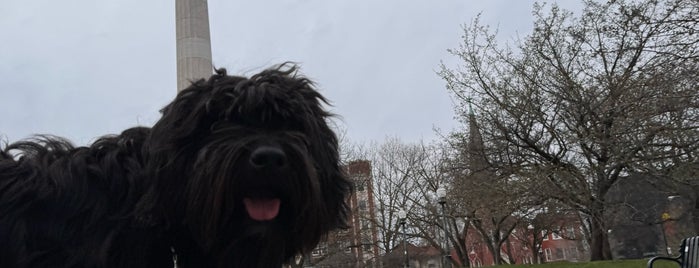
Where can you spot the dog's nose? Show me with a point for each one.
(268, 157)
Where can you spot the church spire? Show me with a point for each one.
(477, 161)
(470, 106)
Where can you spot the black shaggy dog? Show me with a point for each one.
(238, 172)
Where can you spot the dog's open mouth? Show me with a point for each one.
(262, 209)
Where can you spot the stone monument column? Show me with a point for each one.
(193, 42)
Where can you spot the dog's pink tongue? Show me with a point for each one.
(262, 209)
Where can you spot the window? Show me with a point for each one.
(529, 260)
(320, 250)
(559, 254)
(555, 236)
(359, 185)
(547, 254)
(366, 238)
(570, 233)
(544, 235)
(367, 247)
(364, 224)
(572, 253)
(347, 246)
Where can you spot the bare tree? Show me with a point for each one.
(445, 229)
(406, 176)
(584, 100)
(495, 200)
(393, 167)
(489, 187)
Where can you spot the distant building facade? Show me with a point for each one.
(419, 256)
(566, 244)
(358, 245)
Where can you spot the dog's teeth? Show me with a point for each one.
(262, 209)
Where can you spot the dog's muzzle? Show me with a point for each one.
(265, 160)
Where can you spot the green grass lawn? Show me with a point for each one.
(597, 264)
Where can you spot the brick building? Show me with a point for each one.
(358, 245)
(566, 244)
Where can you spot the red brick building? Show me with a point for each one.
(564, 244)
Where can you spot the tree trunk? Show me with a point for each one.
(599, 245)
(461, 250)
(497, 256)
(510, 256)
(536, 256)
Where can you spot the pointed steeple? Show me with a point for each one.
(470, 105)
(477, 161)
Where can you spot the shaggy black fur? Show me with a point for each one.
(184, 185)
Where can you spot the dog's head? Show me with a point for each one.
(248, 167)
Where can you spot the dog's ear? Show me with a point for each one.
(337, 187)
(186, 114)
(325, 150)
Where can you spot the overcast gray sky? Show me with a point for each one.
(84, 68)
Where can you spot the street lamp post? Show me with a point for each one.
(402, 217)
(442, 199)
(666, 217)
(663, 218)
